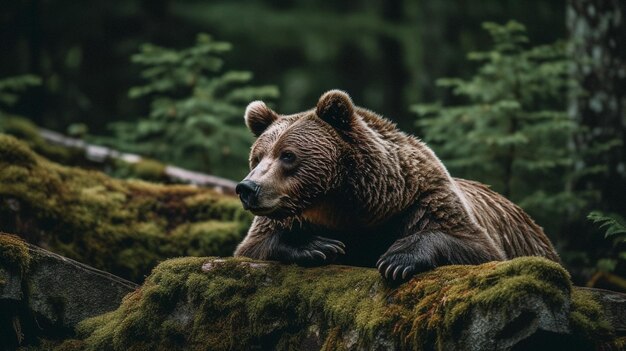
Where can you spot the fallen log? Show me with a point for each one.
(97, 153)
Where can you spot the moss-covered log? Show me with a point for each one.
(234, 304)
(27, 132)
(44, 295)
(71, 151)
(123, 227)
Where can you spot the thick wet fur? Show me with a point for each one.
(339, 183)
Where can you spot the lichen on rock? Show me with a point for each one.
(14, 254)
(122, 226)
(220, 304)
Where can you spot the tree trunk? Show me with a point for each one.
(395, 73)
(597, 29)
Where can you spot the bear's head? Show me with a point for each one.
(297, 161)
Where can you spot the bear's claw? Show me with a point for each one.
(337, 249)
(400, 266)
(318, 251)
(406, 257)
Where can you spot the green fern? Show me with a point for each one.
(614, 228)
(613, 223)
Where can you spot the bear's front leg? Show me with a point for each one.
(429, 249)
(269, 240)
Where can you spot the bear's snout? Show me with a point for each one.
(248, 192)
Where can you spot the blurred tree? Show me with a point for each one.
(196, 109)
(598, 36)
(513, 131)
(81, 51)
(449, 29)
(366, 48)
(384, 53)
(11, 87)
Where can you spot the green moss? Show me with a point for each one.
(14, 253)
(19, 127)
(14, 152)
(587, 318)
(47, 345)
(236, 304)
(70, 345)
(441, 300)
(218, 237)
(124, 227)
(616, 344)
(206, 206)
(146, 169)
(149, 170)
(28, 132)
(232, 305)
(333, 341)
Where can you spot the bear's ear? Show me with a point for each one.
(336, 108)
(258, 117)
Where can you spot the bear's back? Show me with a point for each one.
(506, 223)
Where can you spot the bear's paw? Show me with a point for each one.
(318, 251)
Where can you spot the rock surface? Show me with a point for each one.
(43, 293)
(223, 304)
(613, 306)
(50, 302)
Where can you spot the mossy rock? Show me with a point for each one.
(237, 304)
(121, 226)
(14, 256)
(45, 295)
(16, 153)
(28, 133)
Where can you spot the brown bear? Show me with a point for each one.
(339, 183)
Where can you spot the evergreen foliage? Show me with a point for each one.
(196, 116)
(512, 130)
(614, 228)
(612, 223)
(10, 88)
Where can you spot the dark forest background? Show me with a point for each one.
(387, 55)
(537, 111)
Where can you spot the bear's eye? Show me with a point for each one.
(288, 157)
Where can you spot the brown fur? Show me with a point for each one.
(361, 190)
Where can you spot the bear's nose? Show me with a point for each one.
(247, 191)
